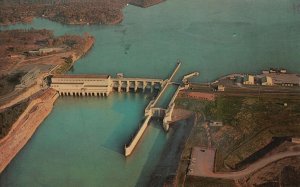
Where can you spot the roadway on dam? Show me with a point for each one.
(165, 96)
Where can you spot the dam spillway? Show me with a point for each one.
(99, 85)
(103, 85)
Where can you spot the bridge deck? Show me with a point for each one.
(136, 79)
(167, 84)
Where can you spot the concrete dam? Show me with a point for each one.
(103, 85)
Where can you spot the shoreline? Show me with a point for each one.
(67, 13)
(166, 170)
(145, 5)
(35, 113)
(23, 129)
(53, 13)
(114, 22)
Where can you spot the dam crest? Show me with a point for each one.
(103, 85)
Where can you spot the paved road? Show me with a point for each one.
(202, 164)
(249, 89)
(258, 91)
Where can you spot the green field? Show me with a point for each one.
(207, 182)
(249, 123)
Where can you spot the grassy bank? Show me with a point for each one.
(167, 167)
(207, 182)
(9, 115)
(249, 123)
(197, 135)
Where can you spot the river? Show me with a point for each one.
(81, 142)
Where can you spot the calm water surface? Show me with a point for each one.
(81, 142)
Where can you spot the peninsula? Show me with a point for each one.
(69, 12)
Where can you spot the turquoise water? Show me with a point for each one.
(166, 97)
(80, 143)
(213, 37)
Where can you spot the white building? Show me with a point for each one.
(93, 85)
(221, 88)
(266, 81)
(248, 79)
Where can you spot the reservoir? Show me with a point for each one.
(81, 141)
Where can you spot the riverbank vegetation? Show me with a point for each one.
(30, 43)
(9, 115)
(249, 126)
(68, 11)
(8, 82)
(36, 50)
(206, 182)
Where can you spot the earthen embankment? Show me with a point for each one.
(22, 130)
(129, 149)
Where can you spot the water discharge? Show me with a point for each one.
(81, 142)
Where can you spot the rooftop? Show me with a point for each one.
(81, 76)
(249, 78)
(285, 78)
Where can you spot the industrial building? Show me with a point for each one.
(82, 85)
(266, 81)
(248, 79)
(285, 79)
